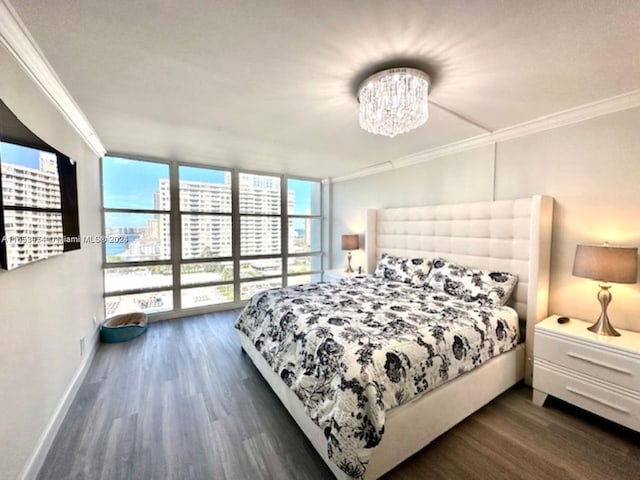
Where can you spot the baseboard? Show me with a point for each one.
(32, 468)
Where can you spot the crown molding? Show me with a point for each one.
(365, 172)
(467, 144)
(570, 116)
(548, 122)
(19, 42)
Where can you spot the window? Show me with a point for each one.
(206, 267)
(227, 235)
(138, 273)
(304, 263)
(260, 233)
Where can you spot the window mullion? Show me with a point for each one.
(175, 234)
(22, 208)
(103, 222)
(235, 232)
(284, 227)
(146, 211)
(323, 216)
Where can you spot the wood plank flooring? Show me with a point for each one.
(183, 402)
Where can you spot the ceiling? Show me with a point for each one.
(269, 85)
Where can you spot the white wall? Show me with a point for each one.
(464, 177)
(47, 306)
(592, 169)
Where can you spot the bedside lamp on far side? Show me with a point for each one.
(349, 243)
(606, 264)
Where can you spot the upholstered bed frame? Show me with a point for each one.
(509, 235)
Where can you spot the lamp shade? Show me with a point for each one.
(350, 242)
(606, 264)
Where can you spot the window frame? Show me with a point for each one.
(140, 263)
(319, 217)
(175, 221)
(176, 240)
(283, 232)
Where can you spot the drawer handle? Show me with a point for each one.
(595, 399)
(600, 364)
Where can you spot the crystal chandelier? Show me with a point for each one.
(394, 101)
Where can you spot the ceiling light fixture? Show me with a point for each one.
(394, 101)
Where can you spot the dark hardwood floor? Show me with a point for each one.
(183, 402)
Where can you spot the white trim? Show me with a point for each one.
(578, 114)
(470, 143)
(37, 458)
(570, 116)
(19, 42)
(382, 167)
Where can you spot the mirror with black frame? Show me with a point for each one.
(39, 201)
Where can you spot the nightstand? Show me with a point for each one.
(338, 274)
(598, 373)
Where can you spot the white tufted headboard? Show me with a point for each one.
(507, 235)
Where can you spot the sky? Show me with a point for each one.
(19, 155)
(131, 183)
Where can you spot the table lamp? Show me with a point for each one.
(349, 243)
(606, 264)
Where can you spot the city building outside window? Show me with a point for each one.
(206, 265)
(226, 236)
(138, 273)
(304, 264)
(261, 214)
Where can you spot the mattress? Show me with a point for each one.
(352, 351)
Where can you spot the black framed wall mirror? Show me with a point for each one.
(39, 201)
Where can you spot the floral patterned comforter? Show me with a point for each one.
(353, 350)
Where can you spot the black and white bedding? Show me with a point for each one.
(353, 350)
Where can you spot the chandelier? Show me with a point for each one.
(394, 101)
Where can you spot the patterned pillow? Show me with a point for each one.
(470, 284)
(419, 270)
(407, 270)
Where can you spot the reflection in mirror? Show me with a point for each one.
(38, 206)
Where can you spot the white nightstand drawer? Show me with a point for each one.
(607, 401)
(590, 360)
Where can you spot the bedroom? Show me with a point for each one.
(278, 97)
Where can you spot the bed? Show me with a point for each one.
(508, 236)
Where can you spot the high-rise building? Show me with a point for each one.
(206, 234)
(260, 200)
(32, 235)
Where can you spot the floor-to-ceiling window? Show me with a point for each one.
(191, 237)
(304, 212)
(206, 253)
(138, 272)
(261, 229)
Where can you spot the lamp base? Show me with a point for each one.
(602, 326)
(349, 269)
